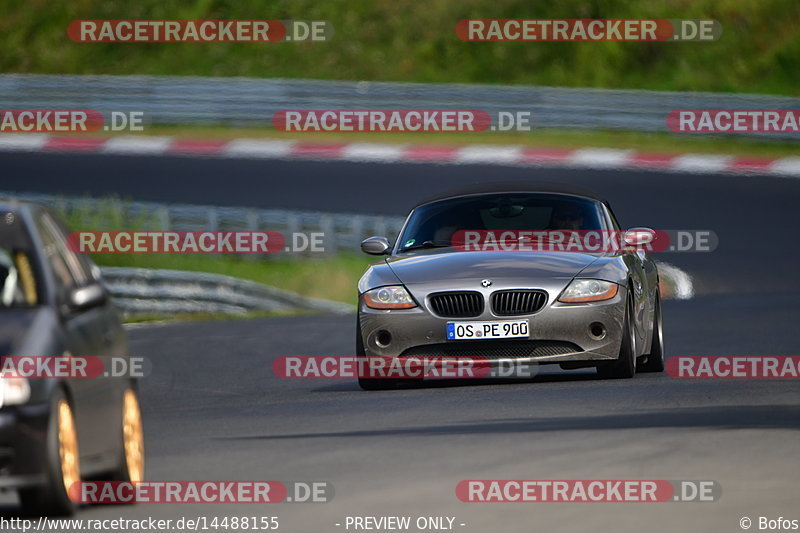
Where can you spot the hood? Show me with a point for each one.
(439, 265)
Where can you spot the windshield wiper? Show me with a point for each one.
(427, 244)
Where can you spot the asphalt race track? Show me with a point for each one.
(213, 409)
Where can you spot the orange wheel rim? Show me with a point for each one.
(133, 437)
(68, 447)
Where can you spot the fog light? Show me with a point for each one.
(383, 338)
(597, 330)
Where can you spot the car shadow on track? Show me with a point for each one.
(723, 417)
(566, 376)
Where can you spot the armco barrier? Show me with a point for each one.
(253, 101)
(142, 291)
(342, 231)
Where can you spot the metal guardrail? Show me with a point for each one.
(252, 101)
(141, 291)
(341, 231)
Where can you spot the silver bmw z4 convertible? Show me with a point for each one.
(511, 273)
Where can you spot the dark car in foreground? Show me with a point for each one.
(56, 431)
(432, 298)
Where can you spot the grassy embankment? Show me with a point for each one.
(402, 40)
(405, 40)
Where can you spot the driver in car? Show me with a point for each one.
(567, 217)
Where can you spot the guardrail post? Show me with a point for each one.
(252, 220)
(164, 218)
(356, 231)
(213, 219)
(329, 233)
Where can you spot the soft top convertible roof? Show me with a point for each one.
(515, 187)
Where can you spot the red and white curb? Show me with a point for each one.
(599, 158)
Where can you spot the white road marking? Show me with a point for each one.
(489, 154)
(701, 163)
(787, 165)
(22, 142)
(600, 157)
(136, 145)
(373, 152)
(258, 148)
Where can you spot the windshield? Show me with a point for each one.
(434, 224)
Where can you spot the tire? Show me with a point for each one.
(655, 358)
(62, 464)
(370, 384)
(132, 459)
(625, 365)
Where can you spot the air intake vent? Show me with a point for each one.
(457, 304)
(511, 303)
(494, 349)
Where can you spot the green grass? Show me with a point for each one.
(332, 277)
(408, 40)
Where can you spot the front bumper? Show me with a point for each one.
(23, 444)
(559, 333)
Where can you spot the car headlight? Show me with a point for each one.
(14, 391)
(391, 297)
(588, 290)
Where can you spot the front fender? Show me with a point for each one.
(377, 275)
(630, 271)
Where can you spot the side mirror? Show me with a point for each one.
(638, 236)
(375, 246)
(86, 297)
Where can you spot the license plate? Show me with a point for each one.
(505, 329)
